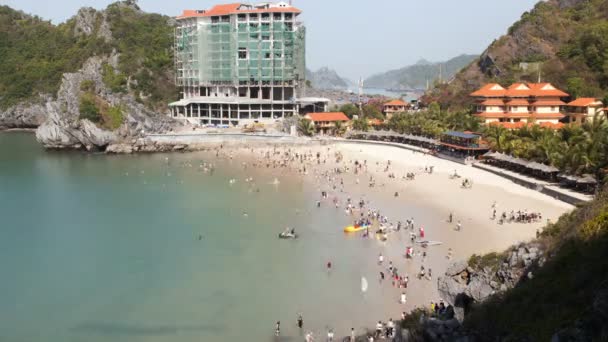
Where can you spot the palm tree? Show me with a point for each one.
(339, 128)
(306, 127)
(497, 137)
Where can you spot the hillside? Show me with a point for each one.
(326, 78)
(134, 49)
(416, 76)
(563, 41)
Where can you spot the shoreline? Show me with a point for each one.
(428, 200)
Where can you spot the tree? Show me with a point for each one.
(371, 112)
(349, 110)
(361, 124)
(339, 128)
(306, 127)
(575, 87)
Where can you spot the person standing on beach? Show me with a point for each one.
(380, 259)
(458, 226)
(300, 321)
(353, 337)
(277, 329)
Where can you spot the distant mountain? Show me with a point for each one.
(415, 76)
(326, 78)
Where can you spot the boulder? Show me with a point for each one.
(479, 289)
(120, 148)
(449, 289)
(456, 268)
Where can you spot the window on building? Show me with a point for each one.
(288, 16)
(277, 16)
(267, 55)
(265, 36)
(265, 16)
(553, 109)
(242, 17)
(242, 53)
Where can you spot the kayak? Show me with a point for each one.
(353, 229)
(429, 243)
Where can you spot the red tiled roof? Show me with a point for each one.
(551, 125)
(490, 90)
(510, 125)
(493, 102)
(502, 115)
(518, 102)
(228, 9)
(585, 102)
(548, 103)
(395, 103)
(546, 89)
(329, 116)
(519, 90)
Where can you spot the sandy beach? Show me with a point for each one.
(428, 199)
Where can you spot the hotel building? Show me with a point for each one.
(539, 103)
(241, 63)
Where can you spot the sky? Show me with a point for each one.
(357, 38)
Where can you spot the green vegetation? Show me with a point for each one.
(563, 291)
(97, 110)
(349, 110)
(577, 149)
(116, 81)
(144, 42)
(361, 124)
(113, 117)
(35, 54)
(339, 128)
(491, 260)
(88, 108)
(306, 127)
(433, 122)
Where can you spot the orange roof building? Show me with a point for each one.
(325, 123)
(327, 117)
(520, 102)
(394, 106)
(584, 109)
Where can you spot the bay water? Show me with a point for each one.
(95, 247)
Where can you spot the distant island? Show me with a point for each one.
(416, 76)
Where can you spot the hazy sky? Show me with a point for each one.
(357, 37)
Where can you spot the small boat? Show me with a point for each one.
(354, 229)
(287, 236)
(429, 243)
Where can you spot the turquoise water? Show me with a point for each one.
(106, 248)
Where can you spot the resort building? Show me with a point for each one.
(241, 63)
(584, 109)
(325, 123)
(538, 103)
(394, 106)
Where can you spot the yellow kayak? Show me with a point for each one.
(353, 229)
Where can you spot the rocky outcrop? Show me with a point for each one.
(89, 21)
(64, 129)
(464, 284)
(24, 115)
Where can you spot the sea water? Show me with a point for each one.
(96, 247)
